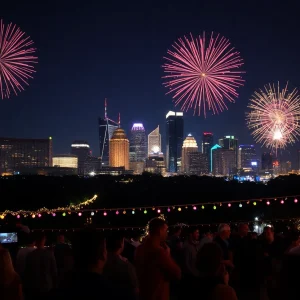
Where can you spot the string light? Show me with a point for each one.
(44, 210)
(73, 208)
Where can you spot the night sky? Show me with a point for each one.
(91, 50)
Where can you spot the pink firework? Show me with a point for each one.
(202, 74)
(16, 59)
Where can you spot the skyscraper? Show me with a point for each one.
(207, 143)
(189, 145)
(246, 156)
(106, 130)
(267, 161)
(198, 163)
(229, 142)
(82, 150)
(138, 144)
(223, 162)
(174, 140)
(119, 149)
(154, 141)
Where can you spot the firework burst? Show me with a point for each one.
(274, 116)
(16, 59)
(202, 74)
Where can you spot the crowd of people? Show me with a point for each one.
(168, 263)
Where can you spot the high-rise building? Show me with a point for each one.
(229, 142)
(119, 149)
(155, 163)
(267, 161)
(216, 146)
(154, 141)
(137, 144)
(137, 148)
(82, 150)
(17, 154)
(223, 162)
(174, 140)
(207, 143)
(65, 161)
(92, 165)
(106, 130)
(247, 156)
(189, 145)
(198, 163)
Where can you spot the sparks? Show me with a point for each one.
(274, 116)
(16, 59)
(202, 74)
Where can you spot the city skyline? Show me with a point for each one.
(124, 64)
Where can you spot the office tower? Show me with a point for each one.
(247, 157)
(82, 150)
(267, 161)
(155, 163)
(17, 154)
(174, 140)
(216, 146)
(223, 162)
(92, 165)
(154, 141)
(198, 163)
(207, 143)
(119, 149)
(137, 148)
(229, 142)
(65, 161)
(138, 144)
(106, 130)
(189, 145)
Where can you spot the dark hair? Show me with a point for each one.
(88, 249)
(155, 225)
(39, 236)
(30, 238)
(175, 229)
(114, 241)
(209, 259)
(192, 229)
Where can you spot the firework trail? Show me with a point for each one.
(274, 116)
(202, 74)
(16, 59)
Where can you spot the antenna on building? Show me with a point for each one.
(119, 121)
(105, 108)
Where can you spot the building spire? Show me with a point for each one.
(105, 108)
(119, 121)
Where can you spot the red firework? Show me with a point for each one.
(16, 59)
(201, 74)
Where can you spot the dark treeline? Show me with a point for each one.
(33, 192)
